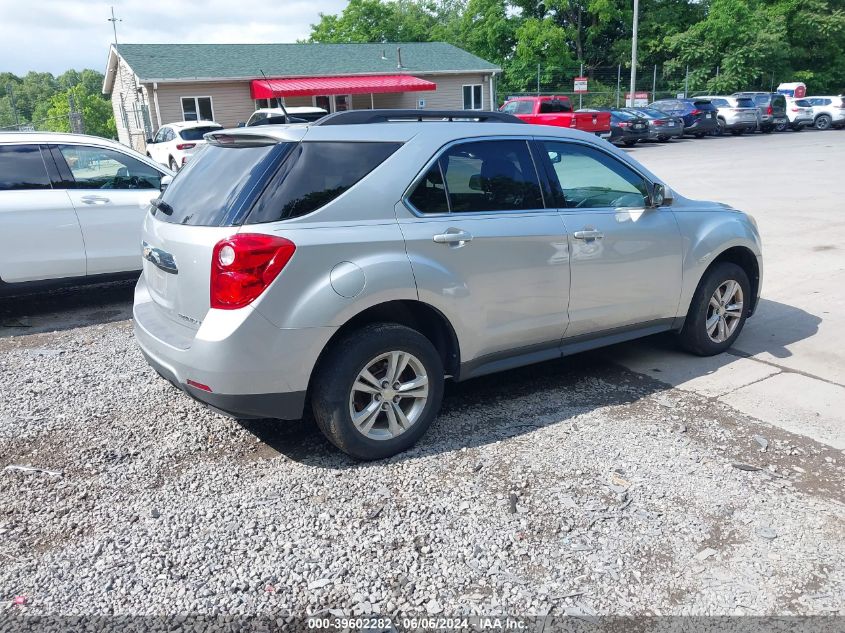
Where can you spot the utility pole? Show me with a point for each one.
(10, 91)
(686, 83)
(634, 51)
(538, 80)
(114, 22)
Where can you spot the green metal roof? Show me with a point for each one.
(221, 61)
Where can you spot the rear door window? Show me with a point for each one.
(314, 174)
(21, 167)
(491, 176)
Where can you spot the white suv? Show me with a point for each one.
(175, 143)
(71, 209)
(828, 112)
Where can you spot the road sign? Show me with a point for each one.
(580, 84)
(640, 100)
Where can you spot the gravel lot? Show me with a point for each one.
(575, 487)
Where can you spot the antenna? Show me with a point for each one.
(114, 22)
(281, 101)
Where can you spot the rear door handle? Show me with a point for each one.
(589, 234)
(95, 200)
(453, 236)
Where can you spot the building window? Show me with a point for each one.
(197, 109)
(473, 97)
(333, 103)
(274, 102)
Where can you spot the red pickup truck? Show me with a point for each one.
(557, 110)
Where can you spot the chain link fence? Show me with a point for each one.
(611, 86)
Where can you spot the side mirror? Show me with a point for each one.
(661, 196)
(165, 181)
(150, 141)
(241, 123)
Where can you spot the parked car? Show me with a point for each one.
(800, 113)
(795, 89)
(661, 126)
(175, 143)
(276, 116)
(699, 115)
(736, 115)
(828, 112)
(281, 272)
(71, 209)
(626, 128)
(772, 107)
(557, 111)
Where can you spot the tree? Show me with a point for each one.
(97, 115)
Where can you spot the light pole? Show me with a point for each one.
(634, 51)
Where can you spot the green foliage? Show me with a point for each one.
(41, 99)
(752, 43)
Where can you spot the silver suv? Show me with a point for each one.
(346, 268)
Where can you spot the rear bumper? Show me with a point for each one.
(703, 125)
(740, 124)
(252, 368)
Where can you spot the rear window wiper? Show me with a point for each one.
(162, 206)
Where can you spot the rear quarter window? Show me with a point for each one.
(314, 174)
(21, 167)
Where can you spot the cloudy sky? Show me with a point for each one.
(54, 35)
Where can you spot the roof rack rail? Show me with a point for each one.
(363, 117)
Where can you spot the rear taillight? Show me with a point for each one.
(695, 112)
(573, 122)
(769, 110)
(623, 124)
(243, 265)
(794, 109)
(186, 145)
(659, 122)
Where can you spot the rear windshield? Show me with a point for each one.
(704, 105)
(314, 174)
(218, 185)
(519, 107)
(195, 133)
(720, 103)
(762, 99)
(624, 115)
(744, 102)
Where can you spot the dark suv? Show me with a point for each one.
(772, 108)
(699, 115)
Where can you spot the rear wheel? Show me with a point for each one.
(781, 127)
(629, 142)
(718, 310)
(721, 127)
(699, 135)
(796, 128)
(378, 390)
(737, 132)
(767, 129)
(823, 122)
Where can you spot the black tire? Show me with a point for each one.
(796, 128)
(699, 135)
(629, 142)
(823, 122)
(693, 337)
(781, 127)
(767, 129)
(721, 127)
(339, 370)
(737, 132)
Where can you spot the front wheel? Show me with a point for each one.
(699, 135)
(629, 142)
(378, 390)
(718, 310)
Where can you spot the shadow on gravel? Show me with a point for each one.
(474, 407)
(66, 308)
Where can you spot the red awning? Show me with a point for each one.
(307, 86)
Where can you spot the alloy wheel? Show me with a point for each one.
(389, 395)
(823, 122)
(724, 311)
